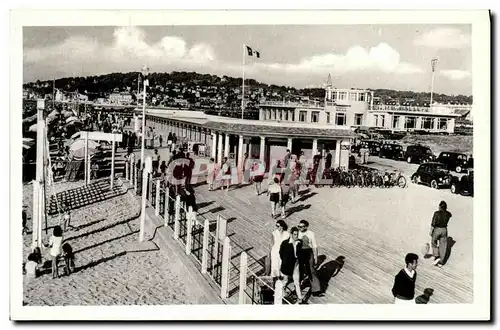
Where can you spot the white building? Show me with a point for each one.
(355, 108)
(120, 98)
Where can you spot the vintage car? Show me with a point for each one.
(433, 174)
(372, 145)
(391, 151)
(454, 161)
(463, 185)
(418, 154)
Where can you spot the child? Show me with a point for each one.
(55, 243)
(69, 258)
(66, 220)
(31, 266)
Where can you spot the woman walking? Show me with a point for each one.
(279, 235)
(257, 176)
(226, 174)
(211, 172)
(275, 195)
(289, 262)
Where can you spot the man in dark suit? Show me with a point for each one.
(290, 263)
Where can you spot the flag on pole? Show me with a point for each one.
(433, 64)
(252, 52)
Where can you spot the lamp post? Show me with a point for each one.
(145, 71)
(434, 62)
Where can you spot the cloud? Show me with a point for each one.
(381, 58)
(443, 38)
(455, 74)
(129, 46)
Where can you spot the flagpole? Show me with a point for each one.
(243, 85)
(433, 67)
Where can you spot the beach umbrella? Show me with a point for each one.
(68, 114)
(76, 135)
(79, 154)
(53, 114)
(28, 143)
(72, 118)
(80, 144)
(30, 119)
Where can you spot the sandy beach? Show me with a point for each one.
(112, 268)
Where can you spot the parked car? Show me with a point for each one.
(433, 174)
(418, 154)
(463, 185)
(372, 145)
(391, 151)
(454, 161)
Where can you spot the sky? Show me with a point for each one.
(357, 56)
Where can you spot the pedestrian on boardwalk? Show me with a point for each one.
(275, 195)
(285, 197)
(256, 176)
(156, 161)
(404, 282)
(289, 262)
(279, 235)
(160, 139)
(226, 174)
(439, 233)
(55, 243)
(308, 255)
(189, 170)
(211, 174)
(170, 141)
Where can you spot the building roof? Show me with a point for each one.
(462, 112)
(290, 131)
(256, 128)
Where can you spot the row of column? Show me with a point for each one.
(219, 142)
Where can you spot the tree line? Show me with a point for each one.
(102, 85)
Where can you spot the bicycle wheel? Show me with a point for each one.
(401, 182)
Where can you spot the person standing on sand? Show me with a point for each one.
(439, 233)
(55, 243)
(404, 282)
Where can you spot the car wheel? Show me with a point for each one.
(415, 179)
(408, 160)
(453, 188)
(458, 169)
(434, 184)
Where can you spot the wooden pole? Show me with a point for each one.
(189, 232)
(157, 198)
(37, 221)
(243, 277)
(113, 162)
(86, 170)
(145, 175)
(225, 268)
(204, 255)
(177, 216)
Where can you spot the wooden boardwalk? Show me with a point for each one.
(363, 261)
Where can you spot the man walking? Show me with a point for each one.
(307, 257)
(404, 282)
(439, 233)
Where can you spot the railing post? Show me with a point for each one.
(132, 173)
(136, 174)
(225, 268)
(204, 255)
(127, 172)
(177, 216)
(166, 214)
(189, 232)
(243, 277)
(278, 292)
(150, 188)
(157, 198)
